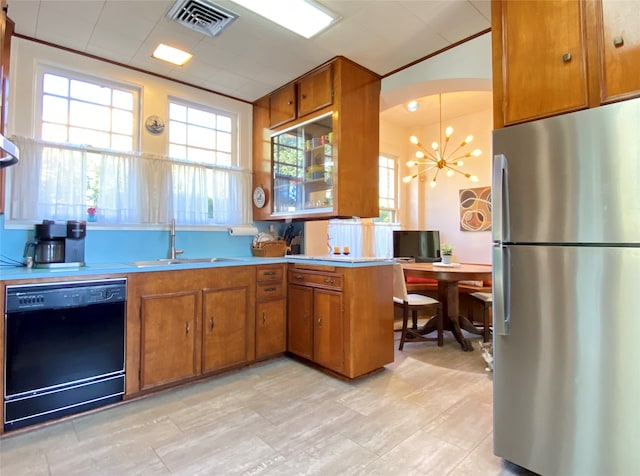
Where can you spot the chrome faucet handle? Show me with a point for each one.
(173, 251)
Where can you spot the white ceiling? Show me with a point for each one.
(252, 56)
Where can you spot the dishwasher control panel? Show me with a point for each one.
(64, 294)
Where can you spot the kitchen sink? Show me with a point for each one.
(169, 261)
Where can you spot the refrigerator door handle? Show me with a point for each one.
(501, 290)
(500, 199)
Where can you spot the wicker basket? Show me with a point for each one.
(269, 248)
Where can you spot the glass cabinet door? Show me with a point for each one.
(303, 168)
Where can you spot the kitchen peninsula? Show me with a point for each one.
(189, 321)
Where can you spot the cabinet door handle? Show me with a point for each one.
(211, 323)
(329, 280)
(290, 102)
(303, 96)
(264, 317)
(306, 316)
(298, 276)
(566, 57)
(319, 321)
(187, 327)
(618, 41)
(269, 273)
(269, 290)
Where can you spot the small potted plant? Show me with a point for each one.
(91, 214)
(447, 252)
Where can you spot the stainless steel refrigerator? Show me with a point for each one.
(566, 304)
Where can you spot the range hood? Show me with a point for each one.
(10, 153)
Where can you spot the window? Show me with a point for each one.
(212, 191)
(287, 160)
(85, 162)
(388, 189)
(200, 135)
(81, 111)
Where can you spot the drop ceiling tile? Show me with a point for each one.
(27, 12)
(68, 23)
(453, 20)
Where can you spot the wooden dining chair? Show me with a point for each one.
(486, 302)
(414, 303)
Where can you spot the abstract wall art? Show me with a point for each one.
(475, 209)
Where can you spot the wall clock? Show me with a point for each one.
(259, 197)
(154, 124)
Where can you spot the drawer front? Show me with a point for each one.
(269, 291)
(333, 281)
(269, 273)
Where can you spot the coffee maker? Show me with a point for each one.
(57, 244)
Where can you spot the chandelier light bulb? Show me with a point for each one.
(441, 157)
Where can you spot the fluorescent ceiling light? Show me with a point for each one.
(171, 55)
(300, 16)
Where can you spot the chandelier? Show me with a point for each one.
(439, 158)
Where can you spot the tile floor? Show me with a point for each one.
(428, 413)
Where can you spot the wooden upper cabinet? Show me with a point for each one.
(315, 91)
(305, 96)
(282, 106)
(559, 56)
(544, 55)
(347, 96)
(620, 49)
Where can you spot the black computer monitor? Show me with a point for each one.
(421, 245)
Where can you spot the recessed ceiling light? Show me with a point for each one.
(300, 16)
(171, 55)
(412, 106)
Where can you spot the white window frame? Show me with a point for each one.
(235, 159)
(394, 210)
(44, 68)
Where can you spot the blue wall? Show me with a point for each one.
(114, 246)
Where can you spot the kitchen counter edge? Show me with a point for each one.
(7, 274)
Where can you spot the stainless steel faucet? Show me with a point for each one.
(174, 252)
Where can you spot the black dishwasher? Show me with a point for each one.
(64, 349)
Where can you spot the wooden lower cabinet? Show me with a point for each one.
(316, 325)
(169, 337)
(225, 328)
(271, 312)
(299, 323)
(328, 329)
(341, 318)
(186, 323)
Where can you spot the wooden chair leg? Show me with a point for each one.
(414, 319)
(405, 319)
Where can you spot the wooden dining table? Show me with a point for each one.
(448, 278)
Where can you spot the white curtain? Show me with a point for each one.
(365, 238)
(117, 197)
(50, 181)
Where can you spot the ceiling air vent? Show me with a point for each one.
(201, 15)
